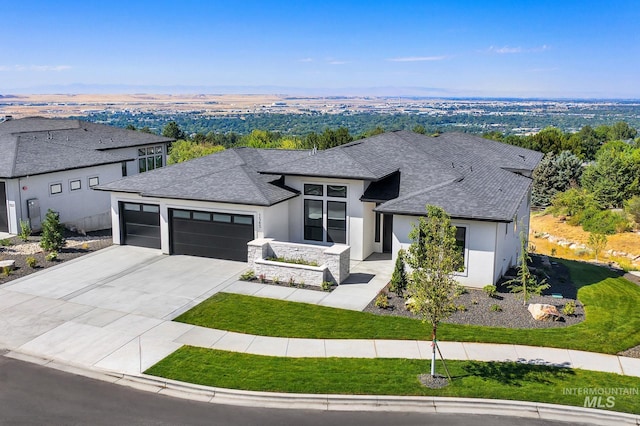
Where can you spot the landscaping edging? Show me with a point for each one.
(330, 402)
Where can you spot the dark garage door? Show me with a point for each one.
(140, 224)
(207, 234)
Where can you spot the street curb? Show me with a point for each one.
(332, 402)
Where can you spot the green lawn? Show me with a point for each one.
(611, 303)
(388, 377)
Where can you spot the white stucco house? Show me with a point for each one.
(365, 194)
(55, 164)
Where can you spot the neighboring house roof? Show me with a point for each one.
(37, 145)
(469, 176)
(229, 176)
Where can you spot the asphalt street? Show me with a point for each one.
(36, 395)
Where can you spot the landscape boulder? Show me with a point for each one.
(543, 312)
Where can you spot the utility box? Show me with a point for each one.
(33, 212)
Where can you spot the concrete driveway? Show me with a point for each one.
(110, 309)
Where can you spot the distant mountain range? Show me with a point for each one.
(382, 91)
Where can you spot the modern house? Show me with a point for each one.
(55, 163)
(365, 194)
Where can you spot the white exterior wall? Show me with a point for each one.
(357, 227)
(479, 248)
(263, 217)
(84, 209)
(508, 239)
(275, 221)
(369, 229)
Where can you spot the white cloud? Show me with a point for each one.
(305, 60)
(39, 68)
(417, 58)
(509, 49)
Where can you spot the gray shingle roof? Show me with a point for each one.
(229, 176)
(473, 178)
(470, 177)
(39, 145)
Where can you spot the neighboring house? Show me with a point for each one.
(365, 194)
(55, 163)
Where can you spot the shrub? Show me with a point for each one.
(248, 276)
(382, 301)
(474, 302)
(495, 308)
(291, 282)
(31, 262)
(603, 221)
(5, 242)
(52, 232)
(325, 286)
(490, 289)
(85, 246)
(632, 207)
(553, 251)
(459, 290)
(262, 278)
(295, 261)
(569, 308)
(25, 230)
(399, 278)
(51, 256)
(276, 280)
(6, 270)
(461, 308)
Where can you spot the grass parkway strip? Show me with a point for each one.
(612, 322)
(379, 376)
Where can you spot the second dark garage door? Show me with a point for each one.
(207, 234)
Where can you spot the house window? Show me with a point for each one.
(124, 169)
(75, 185)
(311, 189)
(93, 181)
(377, 237)
(55, 188)
(313, 229)
(150, 158)
(325, 218)
(336, 221)
(461, 241)
(336, 191)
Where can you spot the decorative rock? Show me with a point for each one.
(7, 264)
(542, 311)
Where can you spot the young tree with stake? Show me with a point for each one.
(433, 257)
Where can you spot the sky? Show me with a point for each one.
(448, 48)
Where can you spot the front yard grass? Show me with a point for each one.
(612, 322)
(358, 376)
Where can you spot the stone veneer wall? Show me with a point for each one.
(333, 261)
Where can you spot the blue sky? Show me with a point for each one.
(588, 49)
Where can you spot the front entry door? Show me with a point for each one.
(4, 216)
(387, 233)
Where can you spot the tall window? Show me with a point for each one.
(313, 219)
(461, 241)
(325, 213)
(150, 158)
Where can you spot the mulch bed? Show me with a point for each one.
(77, 245)
(476, 308)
